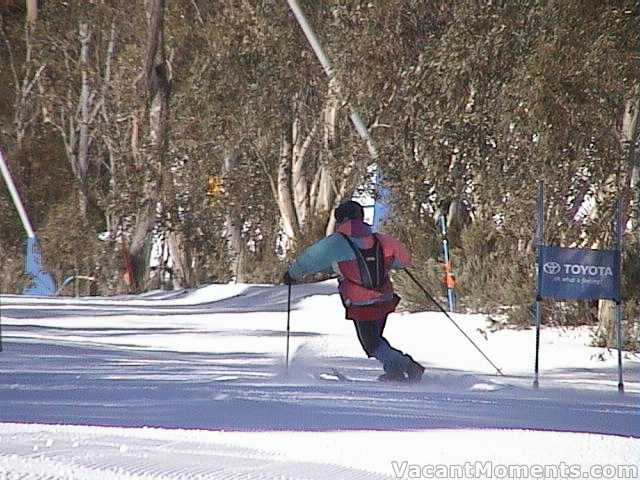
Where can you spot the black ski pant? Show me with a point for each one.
(375, 345)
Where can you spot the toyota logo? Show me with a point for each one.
(552, 268)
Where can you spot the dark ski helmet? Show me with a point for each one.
(348, 210)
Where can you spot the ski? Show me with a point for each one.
(334, 375)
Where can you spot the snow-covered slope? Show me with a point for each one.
(212, 359)
(90, 453)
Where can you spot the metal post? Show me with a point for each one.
(76, 284)
(447, 265)
(619, 335)
(16, 197)
(540, 244)
(381, 193)
(288, 327)
(618, 249)
(43, 282)
(328, 69)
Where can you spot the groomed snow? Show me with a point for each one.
(205, 370)
(43, 451)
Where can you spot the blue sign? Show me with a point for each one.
(579, 274)
(42, 281)
(381, 208)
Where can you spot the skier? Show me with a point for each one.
(362, 260)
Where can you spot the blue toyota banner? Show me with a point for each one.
(579, 274)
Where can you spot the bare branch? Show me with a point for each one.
(34, 80)
(301, 147)
(198, 14)
(12, 62)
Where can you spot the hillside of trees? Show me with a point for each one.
(206, 132)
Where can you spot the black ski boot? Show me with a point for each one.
(414, 370)
(392, 377)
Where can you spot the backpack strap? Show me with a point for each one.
(370, 280)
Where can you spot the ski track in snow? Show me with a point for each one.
(213, 360)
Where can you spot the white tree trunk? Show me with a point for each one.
(75, 114)
(82, 155)
(233, 224)
(630, 138)
(326, 195)
(285, 195)
(308, 190)
(181, 258)
(606, 321)
(627, 135)
(299, 180)
(156, 87)
(32, 10)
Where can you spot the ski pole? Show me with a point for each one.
(288, 326)
(430, 297)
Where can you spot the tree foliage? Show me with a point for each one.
(470, 104)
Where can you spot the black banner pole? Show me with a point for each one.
(540, 244)
(618, 248)
(288, 326)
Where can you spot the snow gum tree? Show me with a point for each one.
(507, 94)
